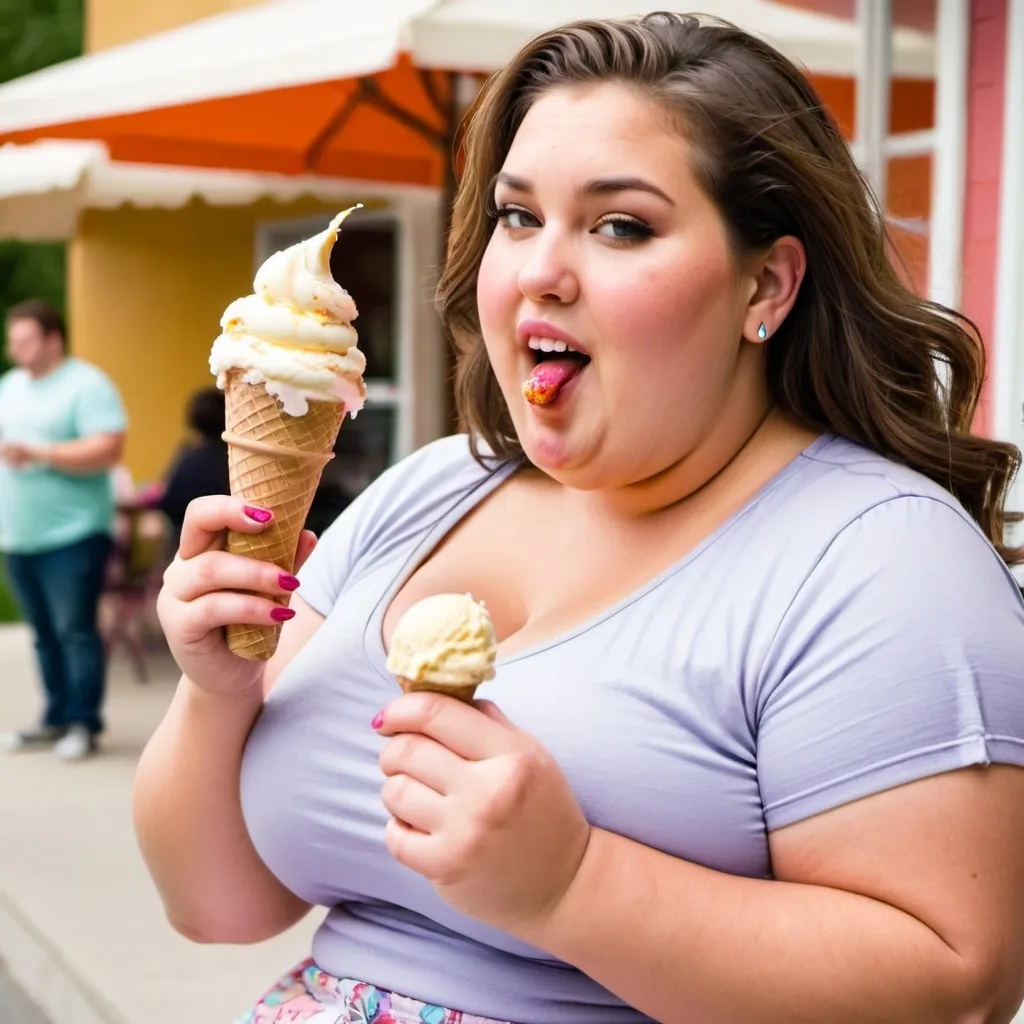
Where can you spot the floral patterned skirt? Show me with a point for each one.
(308, 995)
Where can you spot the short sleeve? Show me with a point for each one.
(98, 407)
(901, 657)
(404, 501)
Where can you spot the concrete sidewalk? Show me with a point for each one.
(81, 928)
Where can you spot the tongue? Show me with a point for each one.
(548, 379)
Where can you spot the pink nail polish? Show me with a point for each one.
(287, 581)
(378, 720)
(282, 614)
(258, 515)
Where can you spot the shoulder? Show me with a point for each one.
(422, 487)
(841, 496)
(12, 380)
(887, 557)
(85, 374)
(408, 499)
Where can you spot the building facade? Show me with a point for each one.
(933, 106)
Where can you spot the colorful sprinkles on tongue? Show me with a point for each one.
(541, 388)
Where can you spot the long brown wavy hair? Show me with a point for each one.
(860, 354)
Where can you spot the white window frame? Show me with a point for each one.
(946, 143)
(417, 392)
(1008, 358)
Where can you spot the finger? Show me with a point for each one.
(207, 519)
(460, 727)
(416, 805)
(422, 759)
(224, 608)
(307, 542)
(414, 849)
(217, 570)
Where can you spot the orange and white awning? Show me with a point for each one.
(44, 186)
(341, 87)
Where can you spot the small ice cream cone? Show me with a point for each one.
(463, 693)
(444, 644)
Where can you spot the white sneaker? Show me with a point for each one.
(76, 745)
(34, 738)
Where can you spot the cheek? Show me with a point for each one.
(497, 289)
(672, 312)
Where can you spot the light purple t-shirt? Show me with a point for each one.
(849, 630)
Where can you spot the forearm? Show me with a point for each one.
(188, 819)
(688, 945)
(83, 456)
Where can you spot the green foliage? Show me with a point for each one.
(33, 35)
(37, 33)
(8, 609)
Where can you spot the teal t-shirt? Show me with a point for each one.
(42, 509)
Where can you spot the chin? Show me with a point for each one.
(574, 465)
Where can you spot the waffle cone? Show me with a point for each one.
(464, 693)
(275, 462)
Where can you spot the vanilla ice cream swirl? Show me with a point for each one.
(294, 334)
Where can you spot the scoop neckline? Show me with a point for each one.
(467, 502)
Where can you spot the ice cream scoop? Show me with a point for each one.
(444, 643)
(294, 333)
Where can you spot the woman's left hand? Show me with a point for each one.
(481, 810)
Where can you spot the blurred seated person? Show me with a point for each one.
(201, 468)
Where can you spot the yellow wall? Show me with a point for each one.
(111, 22)
(146, 290)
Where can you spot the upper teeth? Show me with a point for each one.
(549, 345)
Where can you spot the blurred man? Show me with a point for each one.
(61, 432)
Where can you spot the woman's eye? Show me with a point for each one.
(623, 229)
(514, 217)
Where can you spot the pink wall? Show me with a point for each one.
(986, 88)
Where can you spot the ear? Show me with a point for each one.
(776, 285)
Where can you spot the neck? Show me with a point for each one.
(746, 424)
(45, 367)
(711, 466)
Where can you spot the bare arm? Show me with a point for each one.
(188, 814)
(85, 455)
(907, 906)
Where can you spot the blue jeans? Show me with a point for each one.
(59, 593)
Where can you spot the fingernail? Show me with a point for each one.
(287, 581)
(378, 720)
(259, 515)
(282, 614)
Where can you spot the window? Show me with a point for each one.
(897, 139)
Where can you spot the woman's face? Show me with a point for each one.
(606, 242)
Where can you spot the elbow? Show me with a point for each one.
(992, 995)
(192, 932)
(235, 925)
(221, 933)
(114, 452)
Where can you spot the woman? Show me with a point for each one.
(756, 734)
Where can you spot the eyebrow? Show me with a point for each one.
(597, 187)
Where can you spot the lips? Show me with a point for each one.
(541, 332)
(559, 359)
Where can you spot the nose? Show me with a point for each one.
(548, 275)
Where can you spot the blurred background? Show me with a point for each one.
(153, 154)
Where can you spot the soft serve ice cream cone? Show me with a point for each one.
(444, 643)
(289, 366)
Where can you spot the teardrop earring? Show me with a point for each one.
(762, 332)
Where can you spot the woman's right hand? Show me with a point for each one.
(206, 588)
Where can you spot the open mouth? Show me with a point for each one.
(556, 365)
